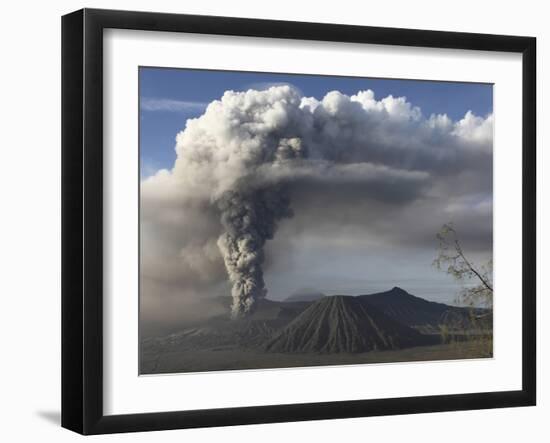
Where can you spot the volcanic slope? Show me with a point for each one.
(343, 324)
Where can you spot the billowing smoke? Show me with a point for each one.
(241, 160)
(249, 219)
(249, 216)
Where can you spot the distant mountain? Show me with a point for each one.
(265, 309)
(339, 324)
(251, 331)
(424, 315)
(305, 296)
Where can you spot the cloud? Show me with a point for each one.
(255, 160)
(262, 86)
(168, 105)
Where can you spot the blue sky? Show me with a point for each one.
(169, 97)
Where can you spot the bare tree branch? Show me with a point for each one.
(462, 269)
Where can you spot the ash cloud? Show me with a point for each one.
(254, 158)
(249, 219)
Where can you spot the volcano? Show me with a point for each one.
(343, 324)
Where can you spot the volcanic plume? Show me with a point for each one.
(249, 219)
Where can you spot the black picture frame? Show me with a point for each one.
(82, 219)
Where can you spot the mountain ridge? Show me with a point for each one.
(388, 320)
(427, 316)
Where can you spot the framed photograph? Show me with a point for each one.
(269, 221)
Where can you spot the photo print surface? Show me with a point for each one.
(291, 220)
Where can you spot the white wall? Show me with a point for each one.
(30, 219)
